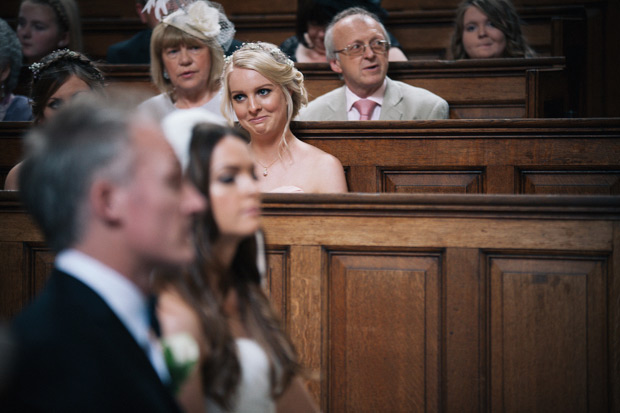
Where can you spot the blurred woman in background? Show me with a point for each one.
(488, 28)
(57, 79)
(46, 25)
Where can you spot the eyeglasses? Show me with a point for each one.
(358, 49)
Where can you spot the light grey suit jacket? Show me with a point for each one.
(400, 102)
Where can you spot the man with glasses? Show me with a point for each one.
(356, 46)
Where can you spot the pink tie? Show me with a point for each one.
(365, 108)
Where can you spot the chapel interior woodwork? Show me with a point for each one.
(444, 303)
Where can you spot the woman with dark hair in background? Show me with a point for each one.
(247, 362)
(57, 79)
(488, 28)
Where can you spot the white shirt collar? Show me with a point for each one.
(351, 98)
(120, 294)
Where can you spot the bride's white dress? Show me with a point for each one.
(254, 392)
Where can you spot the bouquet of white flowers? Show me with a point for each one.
(181, 354)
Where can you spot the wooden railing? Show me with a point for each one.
(527, 156)
(426, 302)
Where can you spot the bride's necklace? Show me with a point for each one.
(265, 168)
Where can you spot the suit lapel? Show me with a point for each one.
(338, 106)
(390, 110)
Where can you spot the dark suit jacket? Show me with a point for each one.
(132, 51)
(75, 355)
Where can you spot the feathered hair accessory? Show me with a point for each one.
(200, 18)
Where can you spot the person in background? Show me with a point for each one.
(357, 47)
(108, 193)
(137, 49)
(46, 25)
(488, 28)
(187, 59)
(247, 361)
(265, 91)
(12, 107)
(313, 16)
(57, 79)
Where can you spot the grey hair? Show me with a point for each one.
(89, 138)
(10, 55)
(330, 53)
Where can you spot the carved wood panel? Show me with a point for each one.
(432, 181)
(384, 330)
(542, 182)
(276, 280)
(547, 333)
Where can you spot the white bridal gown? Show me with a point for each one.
(254, 392)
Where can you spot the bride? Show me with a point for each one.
(247, 361)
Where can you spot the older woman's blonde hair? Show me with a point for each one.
(503, 15)
(165, 36)
(272, 63)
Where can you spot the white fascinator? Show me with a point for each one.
(178, 128)
(200, 18)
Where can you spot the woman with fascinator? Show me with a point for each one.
(187, 56)
(265, 91)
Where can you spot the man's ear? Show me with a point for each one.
(106, 200)
(335, 65)
(64, 40)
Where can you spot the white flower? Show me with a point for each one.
(203, 18)
(181, 354)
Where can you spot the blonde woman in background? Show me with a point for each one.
(46, 25)
(265, 91)
(187, 56)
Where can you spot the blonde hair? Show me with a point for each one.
(68, 20)
(165, 36)
(272, 63)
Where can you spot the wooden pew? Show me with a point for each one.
(493, 88)
(528, 156)
(474, 89)
(426, 302)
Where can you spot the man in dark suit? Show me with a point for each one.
(135, 50)
(109, 195)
